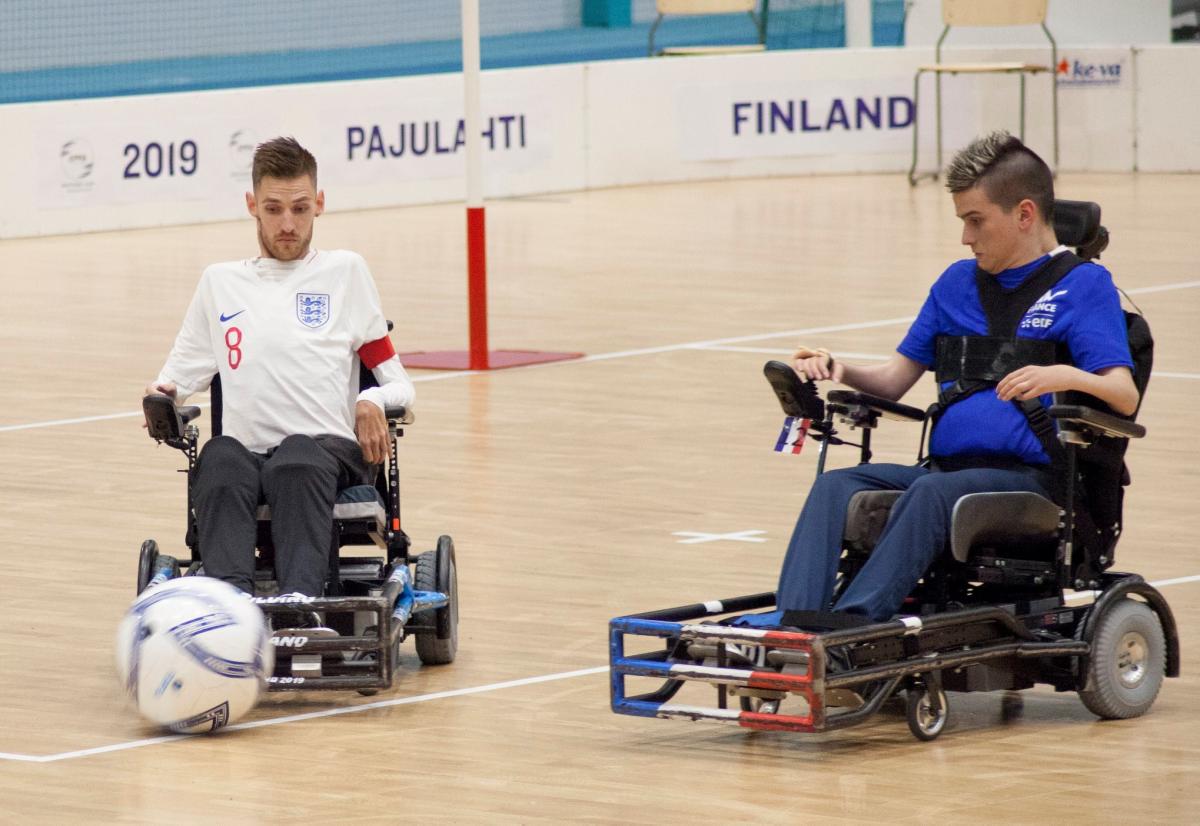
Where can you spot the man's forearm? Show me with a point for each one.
(890, 380)
(1114, 387)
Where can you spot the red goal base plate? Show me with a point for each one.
(497, 359)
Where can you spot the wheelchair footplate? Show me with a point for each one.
(312, 656)
(349, 641)
(839, 678)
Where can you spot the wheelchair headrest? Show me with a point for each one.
(1077, 224)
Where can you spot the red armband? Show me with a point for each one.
(375, 353)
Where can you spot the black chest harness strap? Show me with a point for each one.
(975, 363)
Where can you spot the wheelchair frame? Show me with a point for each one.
(392, 602)
(1012, 645)
(1027, 635)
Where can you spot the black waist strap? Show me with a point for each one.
(975, 363)
(949, 464)
(989, 358)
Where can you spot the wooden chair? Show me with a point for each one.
(698, 7)
(962, 13)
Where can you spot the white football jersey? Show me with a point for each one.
(286, 338)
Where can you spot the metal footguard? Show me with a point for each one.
(895, 651)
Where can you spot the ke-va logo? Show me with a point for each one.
(312, 308)
(1077, 72)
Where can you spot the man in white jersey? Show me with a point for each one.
(285, 333)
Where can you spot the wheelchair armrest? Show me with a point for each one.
(400, 414)
(844, 401)
(1104, 424)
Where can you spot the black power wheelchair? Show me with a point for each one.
(991, 614)
(373, 602)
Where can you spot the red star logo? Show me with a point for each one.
(1063, 66)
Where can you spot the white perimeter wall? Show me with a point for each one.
(1071, 22)
(183, 158)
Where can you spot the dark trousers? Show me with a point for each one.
(916, 532)
(299, 479)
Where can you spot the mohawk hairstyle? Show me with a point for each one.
(1007, 170)
(282, 158)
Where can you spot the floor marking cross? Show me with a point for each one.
(695, 537)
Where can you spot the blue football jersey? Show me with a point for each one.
(1083, 310)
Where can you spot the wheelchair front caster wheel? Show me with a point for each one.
(927, 712)
(759, 705)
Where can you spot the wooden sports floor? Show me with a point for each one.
(568, 489)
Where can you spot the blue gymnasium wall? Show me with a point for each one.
(65, 49)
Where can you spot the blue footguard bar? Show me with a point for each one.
(673, 626)
(769, 664)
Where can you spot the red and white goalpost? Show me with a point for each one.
(478, 357)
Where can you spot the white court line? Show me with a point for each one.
(645, 351)
(399, 701)
(312, 715)
(86, 419)
(1162, 374)
(778, 351)
(693, 345)
(131, 414)
(80, 420)
(702, 345)
(696, 537)
(1162, 288)
(1158, 374)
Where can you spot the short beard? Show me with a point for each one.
(272, 252)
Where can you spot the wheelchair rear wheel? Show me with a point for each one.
(1127, 662)
(437, 571)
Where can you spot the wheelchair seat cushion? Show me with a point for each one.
(1016, 518)
(360, 502)
(866, 516)
(1006, 519)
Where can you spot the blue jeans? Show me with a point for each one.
(916, 532)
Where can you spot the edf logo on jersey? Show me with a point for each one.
(1041, 315)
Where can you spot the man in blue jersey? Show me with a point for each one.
(1004, 195)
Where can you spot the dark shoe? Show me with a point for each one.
(837, 661)
(824, 620)
(294, 614)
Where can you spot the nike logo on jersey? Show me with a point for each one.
(231, 317)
